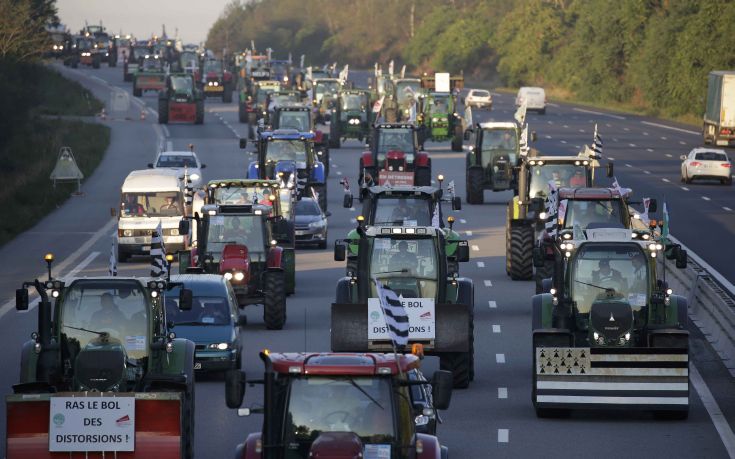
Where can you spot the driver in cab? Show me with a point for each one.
(403, 259)
(109, 314)
(607, 277)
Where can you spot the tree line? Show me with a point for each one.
(651, 54)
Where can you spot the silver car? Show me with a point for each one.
(311, 223)
(706, 163)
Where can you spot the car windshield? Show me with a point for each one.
(286, 150)
(602, 214)
(117, 307)
(563, 175)
(205, 310)
(307, 207)
(480, 93)
(160, 204)
(212, 66)
(317, 404)
(599, 267)
(235, 229)
(241, 195)
(439, 105)
(356, 102)
(711, 156)
(181, 83)
(408, 266)
(400, 139)
(176, 161)
(298, 120)
(406, 91)
(403, 211)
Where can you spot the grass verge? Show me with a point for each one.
(60, 96)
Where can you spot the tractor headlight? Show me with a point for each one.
(239, 276)
(194, 177)
(543, 216)
(228, 276)
(434, 120)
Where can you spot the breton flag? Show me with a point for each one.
(435, 221)
(158, 253)
(597, 144)
(524, 141)
(665, 227)
(188, 189)
(113, 257)
(520, 114)
(552, 198)
(394, 314)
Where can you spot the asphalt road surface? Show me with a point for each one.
(494, 417)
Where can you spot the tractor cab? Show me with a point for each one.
(280, 98)
(493, 158)
(343, 405)
(394, 157)
(180, 100)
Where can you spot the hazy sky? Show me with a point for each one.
(142, 18)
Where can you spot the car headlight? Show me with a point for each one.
(128, 233)
(228, 276)
(220, 346)
(194, 177)
(434, 120)
(174, 231)
(315, 225)
(239, 276)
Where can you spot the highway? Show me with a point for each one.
(494, 417)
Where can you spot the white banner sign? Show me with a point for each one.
(91, 424)
(442, 82)
(421, 319)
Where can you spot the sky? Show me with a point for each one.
(142, 18)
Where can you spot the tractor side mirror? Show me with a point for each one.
(441, 389)
(184, 260)
(652, 206)
(185, 299)
(340, 252)
(242, 320)
(150, 165)
(234, 388)
(683, 157)
(21, 299)
(463, 252)
(538, 257)
(610, 170)
(456, 203)
(183, 226)
(243, 143)
(203, 166)
(347, 201)
(682, 258)
(534, 136)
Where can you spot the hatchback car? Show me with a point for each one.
(479, 98)
(706, 163)
(212, 323)
(311, 223)
(181, 161)
(535, 98)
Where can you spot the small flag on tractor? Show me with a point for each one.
(645, 218)
(159, 267)
(113, 257)
(394, 314)
(597, 144)
(435, 220)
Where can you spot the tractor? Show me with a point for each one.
(238, 242)
(105, 345)
(150, 76)
(288, 155)
(340, 405)
(255, 108)
(407, 91)
(437, 111)
(84, 52)
(215, 80)
(394, 158)
(609, 333)
(324, 92)
(133, 58)
(180, 100)
(352, 117)
(299, 117)
(412, 261)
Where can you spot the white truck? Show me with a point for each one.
(719, 114)
(148, 197)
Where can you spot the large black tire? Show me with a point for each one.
(122, 256)
(334, 133)
(227, 94)
(200, 112)
(475, 192)
(136, 91)
(508, 213)
(162, 111)
(422, 176)
(188, 416)
(541, 273)
(241, 115)
(457, 138)
(95, 63)
(274, 305)
(325, 161)
(322, 192)
(521, 252)
(459, 363)
(466, 295)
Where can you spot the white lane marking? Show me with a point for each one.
(548, 136)
(670, 127)
(166, 131)
(628, 165)
(647, 172)
(726, 208)
(339, 172)
(550, 122)
(496, 328)
(649, 149)
(563, 141)
(607, 124)
(611, 158)
(492, 304)
(645, 133)
(577, 146)
(665, 180)
(599, 113)
(500, 358)
(663, 138)
(681, 142)
(632, 145)
(475, 248)
(480, 264)
(626, 129)
(469, 233)
(352, 209)
(105, 230)
(503, 435)
(502, 392)
(669, 155)
(705, 198)
(684, 188)
(566, 126)
(488, 283)
(715, 414)
(581, 130)
(336, 166)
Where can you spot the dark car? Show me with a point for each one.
(311, 223)
(212, 323)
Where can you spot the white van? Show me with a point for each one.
(147, 197)
(535, 98)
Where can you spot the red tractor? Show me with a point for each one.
(215, 81)
(337, 405)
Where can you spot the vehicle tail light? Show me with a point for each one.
(726, 131)
(695, 164)
(727, 165)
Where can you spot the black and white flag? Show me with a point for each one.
(597, 144)
(552, 199)
(159, 267)
(188, 189)
(394, 314)
(113, 257)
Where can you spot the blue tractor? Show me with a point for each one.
(289, 156)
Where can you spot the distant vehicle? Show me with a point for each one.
(211, 323)
(706, 163)
(180, 161)
(719, 115)
(535, 98)
(479, 98)
(311, 223)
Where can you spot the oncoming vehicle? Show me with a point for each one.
(492, 159)
(706, 163)
(216, 81)
(150, 76)
(344, 405)
(351, 117)
(534, 98)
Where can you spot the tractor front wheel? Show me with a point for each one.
(274, 305)
(521, 252)
(475, 192)
(459, 363)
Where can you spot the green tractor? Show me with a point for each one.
(412, 261)
(180, 100)
(609, 333)
(437, 110)
(351, 117)
(104, 339)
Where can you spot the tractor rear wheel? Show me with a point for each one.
(162, 111)
(457, 138)
(274, 305)
(122, 256)
(475, 194)
(459, 363)
(422, 176)
(199, 112)
(137, 92)
(227, 94)
(521, 252)
(541, 273)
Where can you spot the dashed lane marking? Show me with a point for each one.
(475, 248)
(649, 149)
(503, 435)
(581, 130)
(496, 328)
(684, 188)
(681, 142)
(727, 209)
(713, 409)
(339, 172)
(462, 220)
(617, 117)
(669, 155)
(502, 392)
(647, 172)
(352, 209)
(480, 264)
(548, 136)
(488, 283)
(628, 165)
(564, 141)
(611, 158)
(500, 358)
(706, 198)
(492, 304)
(632, 145)
(626, 129)
(665, 180)
(663, 138)
(469, 233)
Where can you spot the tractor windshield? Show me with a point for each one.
(621, 267)
(247, 230)
(359, 404)
(408, 266)
(439, 105)
(600, 214)
(403, 211)
(118, 308)
(152, 64)
(400, 139)
(406, 91)
(239, 195)
(286, 150)
(354, 102)
(563, 175)
(280, 100)
(212, 66)
(326, 90)
(298, 120)
(181, 84)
